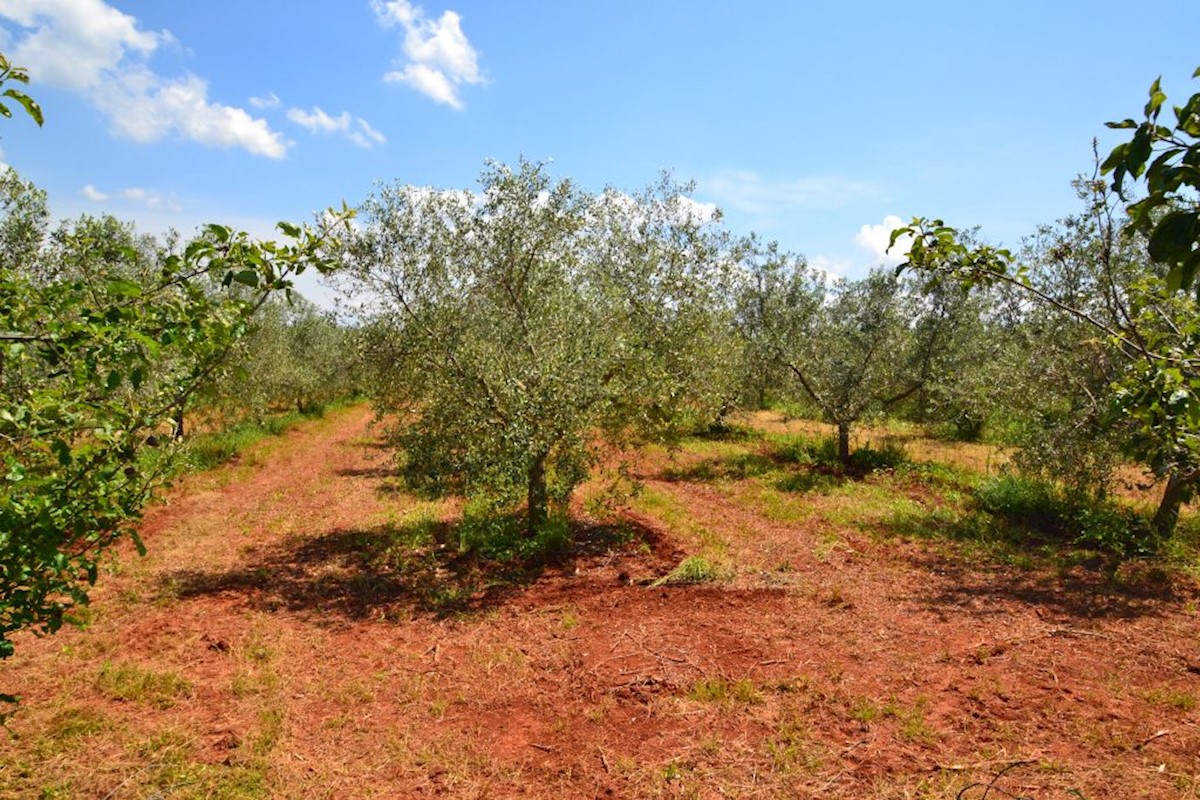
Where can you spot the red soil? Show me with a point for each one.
(873, 668)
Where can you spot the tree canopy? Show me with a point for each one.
(511, 326)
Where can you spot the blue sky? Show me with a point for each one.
(808, 123)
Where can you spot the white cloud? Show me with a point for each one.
(749, 192)
(73, 43)
(833, 268)
(319, 121)
(697, 211)
(876, 238)
(95, 50)
(269, 100)
(146, 198)
(364, 135)
(440, 58)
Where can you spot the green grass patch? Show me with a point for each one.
(721, 691)
(209, 450)
(807, 451)
(693, 569)
(125, 681)
(667, 508)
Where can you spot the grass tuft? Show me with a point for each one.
(130, 682)
(693, 569)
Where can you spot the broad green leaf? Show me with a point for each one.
(124, 287)
(1174, 237)
(31, 108)
(247, 277)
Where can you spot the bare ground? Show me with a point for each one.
(261, 650)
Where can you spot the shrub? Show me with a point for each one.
(1054, 513)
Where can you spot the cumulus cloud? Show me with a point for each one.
(833, 268)
(697, 211)
(876, 238)
(319, 121)
(155, 201)
(91, 48)
(440, 59)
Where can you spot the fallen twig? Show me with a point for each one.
(1077, 632)
(1151, 738)
(1007, 763)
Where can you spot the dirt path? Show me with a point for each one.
(256, 653)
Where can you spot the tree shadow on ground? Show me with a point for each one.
(366, 472)
(394, 571)
(712, 469)
(1037, 571)
(794, 464)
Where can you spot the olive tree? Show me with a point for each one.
(512, 328)
(854, 348)
(294, 356)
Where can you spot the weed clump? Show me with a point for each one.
(693, 569)
(721, 691)
(136, 684)
(1050, 512)
(823, 453)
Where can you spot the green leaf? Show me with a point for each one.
(247, 277)
(31, 107)
(1115, 158)
(289, 229)
(1173, 237)
(1156, 98)
(124, 288)
(1125, 123)
(1140, 148)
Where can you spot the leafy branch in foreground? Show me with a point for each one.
(1148, 319)
(10, 73)
(93, 365)
(1167, 159)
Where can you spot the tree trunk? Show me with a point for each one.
(537, 496)
(843, 433)
(178, 418)
(1177, 492)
